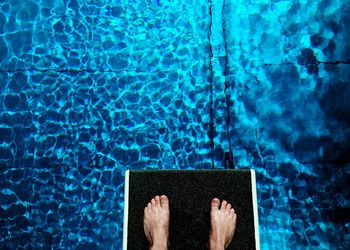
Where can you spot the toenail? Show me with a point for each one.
(216, 202)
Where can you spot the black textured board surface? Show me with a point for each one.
(190, 194)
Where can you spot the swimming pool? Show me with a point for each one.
(91, 88)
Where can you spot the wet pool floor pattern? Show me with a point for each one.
(91, 88)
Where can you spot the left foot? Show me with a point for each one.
(156, 223)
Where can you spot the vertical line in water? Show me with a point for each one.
(227, 85)
(211, 128)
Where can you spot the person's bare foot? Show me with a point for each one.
(156, 222)
(223, 224)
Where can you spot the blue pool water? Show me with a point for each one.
(91, 88)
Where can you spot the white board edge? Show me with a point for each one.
(126, 211)
(255, 210)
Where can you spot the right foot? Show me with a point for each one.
(156, 223)
(223, 224)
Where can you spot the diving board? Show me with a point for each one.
(190, 193)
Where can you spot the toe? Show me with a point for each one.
(228, 207)
(153, 202)
(157, 201)
(164, 201)
(223, 205)
(232, 211)
(149, 205)
(234, 215)
(215, 203)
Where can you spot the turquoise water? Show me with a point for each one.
(91, 88)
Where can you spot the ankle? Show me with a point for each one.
(215, 244)
(159, 246)
(160, 242)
